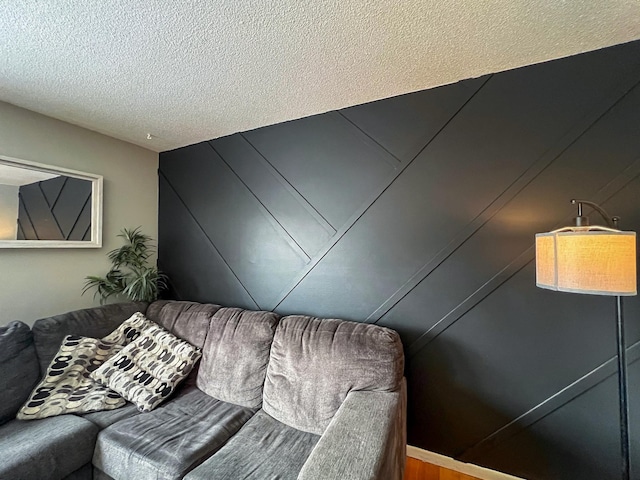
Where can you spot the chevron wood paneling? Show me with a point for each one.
(55, 209)
(419, 213)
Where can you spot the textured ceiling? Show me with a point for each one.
(191, 71)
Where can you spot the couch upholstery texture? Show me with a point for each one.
(271, 398)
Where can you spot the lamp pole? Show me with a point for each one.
(622, 390)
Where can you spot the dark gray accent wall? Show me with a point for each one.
(55, 209)
(418, 213)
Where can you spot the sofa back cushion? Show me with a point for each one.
(96, 322)
(186, 320)
(19, 370)
(235, 356)
(315, 363)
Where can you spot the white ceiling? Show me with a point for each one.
(192, 71)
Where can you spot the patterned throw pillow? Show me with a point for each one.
(67, 386)
(147, 371)
(129, 330)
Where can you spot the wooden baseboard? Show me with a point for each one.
(456, 465)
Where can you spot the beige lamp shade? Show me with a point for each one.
(591, 260)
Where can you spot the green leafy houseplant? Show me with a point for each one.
(130, 273)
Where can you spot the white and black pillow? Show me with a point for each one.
(129, 330)
(67, 387)
(147, 371)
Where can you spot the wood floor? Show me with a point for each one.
(419, 470)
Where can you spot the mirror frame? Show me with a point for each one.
(96, 207)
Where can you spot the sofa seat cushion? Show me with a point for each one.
(107, 418)
(50, 448)
(100, 475)
(83, 473)
(263, 448)
(171, 440)
(315, 363)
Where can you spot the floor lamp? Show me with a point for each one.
(593, 260)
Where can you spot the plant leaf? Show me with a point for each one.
(130, 273)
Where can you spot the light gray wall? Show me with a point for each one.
(8, 212)
(42, 282)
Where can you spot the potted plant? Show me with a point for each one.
(131, 274)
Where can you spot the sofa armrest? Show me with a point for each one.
(366, 439)
(94, 322)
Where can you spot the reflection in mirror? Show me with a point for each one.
(47, 206)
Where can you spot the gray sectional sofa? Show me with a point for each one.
(272, 398)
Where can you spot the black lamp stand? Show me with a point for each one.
(622, 390)
(623, 381)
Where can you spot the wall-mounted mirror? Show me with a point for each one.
(42, 206)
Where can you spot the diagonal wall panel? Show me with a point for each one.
(52, 188)
(69, 205)
(288, 207)
(576, 173)
(404, 125)
(557, 443)
(328, 161)
(194, 264)
(34, 204)
(259, 251)
(434, 198)
(55, 209)
(514, 119)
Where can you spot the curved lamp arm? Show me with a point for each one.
(581, 220)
